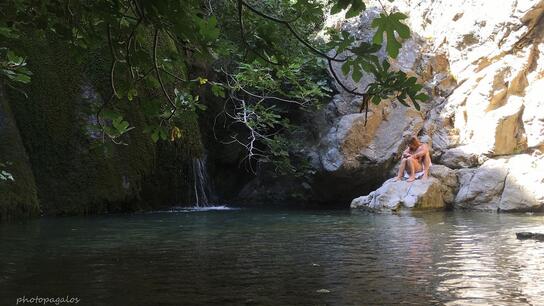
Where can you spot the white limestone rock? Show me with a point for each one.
(513, 183)
(434, 192)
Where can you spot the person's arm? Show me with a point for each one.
(406, 153)
(421, 151)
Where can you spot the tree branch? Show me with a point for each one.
(158, 73)
(129, 43)
(243, 35)
(293, 31)
(113, 63)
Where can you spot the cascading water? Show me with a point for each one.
(202, 183)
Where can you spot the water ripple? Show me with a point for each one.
(276, 258)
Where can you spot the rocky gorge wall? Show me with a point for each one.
(482, 62)
(47, 138)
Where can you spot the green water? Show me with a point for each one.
(255, 257)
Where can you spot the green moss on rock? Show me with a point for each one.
(72, 177)
(18, 198)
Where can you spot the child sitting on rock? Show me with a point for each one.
(415, 159)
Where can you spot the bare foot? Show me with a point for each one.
(411, 179)
(396, 179)
(425, 176)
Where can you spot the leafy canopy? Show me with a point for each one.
(259, 57)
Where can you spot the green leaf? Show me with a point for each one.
(339, 6)
(357, 74)
(132, 93)
(367, 67)
(386, 65)
(416, 105)
(8, 33)
(155, 136)
(23, 78)
(12, 57)
(357, 6)
(120, 125)
(163, 134)
(346, 67)
(389, 25)
(365, 48)
(218, 90)
(208, 28)
(401, 100)
(422, 97)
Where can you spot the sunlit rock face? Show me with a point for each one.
(484, 64)
(354, 151)
(493, 52)
(505, 184)
(482, 61)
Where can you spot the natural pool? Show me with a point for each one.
(275, 257)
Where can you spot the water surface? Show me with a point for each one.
(256, 257)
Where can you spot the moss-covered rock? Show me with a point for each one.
(71, 176)
(171, 181)
(18, 198)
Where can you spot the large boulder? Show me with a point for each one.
(462, 157)
(504, 184)
(434, 192)
(357, 152)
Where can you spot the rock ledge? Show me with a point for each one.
(435, 192)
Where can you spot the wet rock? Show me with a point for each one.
(529, 235)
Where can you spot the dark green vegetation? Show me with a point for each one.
(113, 99)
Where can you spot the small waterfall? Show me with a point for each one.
(202, 183)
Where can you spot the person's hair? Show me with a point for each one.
(413, 140)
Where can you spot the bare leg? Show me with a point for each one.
(427, 165)
(411, 169)
(401, 170)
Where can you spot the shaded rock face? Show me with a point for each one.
(18, 198)
(56, 167)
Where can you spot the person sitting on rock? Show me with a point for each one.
(415, 159)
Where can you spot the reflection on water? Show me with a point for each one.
(247, 257)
